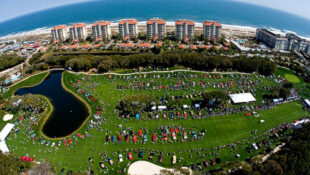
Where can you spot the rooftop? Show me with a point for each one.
(210, 23)
(59, 27)
(129, 21)
(157, 20)
(79, 25)
(102, 23)
(182, 21)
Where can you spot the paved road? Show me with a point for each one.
(16, 68)
(110, 43)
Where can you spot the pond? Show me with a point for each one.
(69, 112)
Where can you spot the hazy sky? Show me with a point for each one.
(14, 8)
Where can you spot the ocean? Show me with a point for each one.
(224, 11)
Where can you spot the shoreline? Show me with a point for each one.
(44, 32)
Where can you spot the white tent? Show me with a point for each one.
(3, 147)
(242, 98)
(6, 130)
(162, 108)
(3, 134)
(7, 117)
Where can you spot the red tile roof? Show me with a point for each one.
(128, 45)
(182, 46)
(64, 47)
(204, 47)
(225, 48)
(193, 47)
(102, 23)
(59, 27)
(55, 41)
(158, 21)
(181, 22)
(97, 45)
(78, 25)
(148, 45)
(73, 46)
(85, 46)
(227, 44)
(129, 21)
(210, 23)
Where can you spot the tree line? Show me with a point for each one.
(197, 61)
(8, 61)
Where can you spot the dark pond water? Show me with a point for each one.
(69, 112)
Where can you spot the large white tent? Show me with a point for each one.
(3, 134)
(242, 98)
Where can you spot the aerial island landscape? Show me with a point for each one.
(154, 93)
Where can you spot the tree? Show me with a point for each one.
(215, 98)
(11, 165)
(272, 167)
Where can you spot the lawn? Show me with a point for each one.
(220, 130)
(292, 78)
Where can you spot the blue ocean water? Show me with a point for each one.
(224, 11)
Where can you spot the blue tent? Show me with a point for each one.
(137, 116)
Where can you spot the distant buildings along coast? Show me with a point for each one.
(127, 29)
(289, 42)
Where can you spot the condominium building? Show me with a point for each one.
(101, 30)
(290, 42)
(296, 43)
(272, 40)
(212, 30)
(184, 29)
(128, 28)
(156, 28)
(78, 31)
(59, 33)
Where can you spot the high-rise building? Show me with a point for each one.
(184, 29)
(60, 33)
(101, 30)
(272, 40)
(78, 31)
(212, 30)
(156, 28)
(128, 28)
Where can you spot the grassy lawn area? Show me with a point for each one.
(220, 130)
(302, 87)
(292, 78)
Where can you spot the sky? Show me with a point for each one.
(13, 8)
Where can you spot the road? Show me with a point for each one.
(16, 68)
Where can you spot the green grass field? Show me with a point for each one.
(292, 78)
(221, 130)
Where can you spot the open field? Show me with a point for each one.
(292, 78)
(220, 130)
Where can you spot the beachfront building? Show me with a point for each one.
(128, 28)
(212, 30)
(272, 40)
(290, 42)
(296, 43)
(184, 29)
(101, 30)
(156, 28)
(78, 32)
(60, 33)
